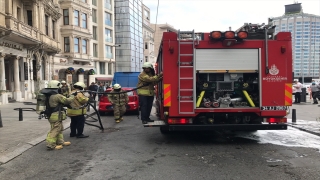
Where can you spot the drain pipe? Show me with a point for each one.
(266, 44)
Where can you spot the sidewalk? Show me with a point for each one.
(18, 136)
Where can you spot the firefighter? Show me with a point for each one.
(55, 138)
(146, 94)
(119, 101)
(314, 89)
(77, 110)
(65, 90)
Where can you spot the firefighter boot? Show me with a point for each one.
(121, 118)
(66, 143)
(117, 120)
(58, 147)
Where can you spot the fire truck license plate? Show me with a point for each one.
(273, 108)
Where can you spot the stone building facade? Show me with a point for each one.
(28, 43)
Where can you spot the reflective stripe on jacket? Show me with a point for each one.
(144, 79)
(54, 101)
(79, 100)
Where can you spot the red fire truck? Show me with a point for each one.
(231, 80)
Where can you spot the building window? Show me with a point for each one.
(76, 45)
(95, 50)
(84, 20)
(146, 45)
(146, 58)
(53, 28)
(84, 1)
(102, 66)
(109, 68)
(108, 51)
(66, 17)
(47, 24)
(108, 36)
(94, 15)
(146, 14)
(94, 2)
(94, 32)
(107, 19)
(76, 18)
(84, 46)
(66, 44)
(107, 4)
(29, 17)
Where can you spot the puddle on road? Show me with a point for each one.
(291, 138)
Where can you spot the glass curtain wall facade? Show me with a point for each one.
(305, 33)
(128, 32)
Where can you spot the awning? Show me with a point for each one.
(103, 78)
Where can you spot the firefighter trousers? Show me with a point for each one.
(77, 125)
(118, 111)
(55, 136)
(145, 103)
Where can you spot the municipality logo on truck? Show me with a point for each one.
(273, 77)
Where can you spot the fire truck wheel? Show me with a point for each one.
(164, 130)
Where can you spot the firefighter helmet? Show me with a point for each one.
(54, 84)
(147, 65)
(80, 84)
(116, 86)
(63, 82)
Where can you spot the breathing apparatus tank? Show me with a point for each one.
(41, 103)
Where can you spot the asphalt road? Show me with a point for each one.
(129, 151)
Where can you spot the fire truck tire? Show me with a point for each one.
(164, 130)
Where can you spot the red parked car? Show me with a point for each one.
(133, 106)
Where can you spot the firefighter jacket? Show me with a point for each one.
(76, 107)
(150, 81)
(54, 101)
(118, 98)
(65, 90)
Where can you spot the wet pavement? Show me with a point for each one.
(18, 136)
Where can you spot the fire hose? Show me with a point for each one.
(89, 103)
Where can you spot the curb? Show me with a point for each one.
(17, 152)
(305, 130)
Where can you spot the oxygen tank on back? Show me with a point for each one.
(41, 103)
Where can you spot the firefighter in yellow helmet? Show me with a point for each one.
(119, 101)
(55, 138)
(76, 111)
(65, 89)
(146, 94)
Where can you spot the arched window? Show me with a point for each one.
(43, 68)
(34, 67)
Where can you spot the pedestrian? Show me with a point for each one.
(93, 88)
(55, 138)
(146, 93)
(78, 111)
(119, 99)
(65, 90)
(298, 87)
(314, 91)
(101, 89)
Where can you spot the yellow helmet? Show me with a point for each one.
(147, 65)
(54, 84)
(80, 84)
(116, 86)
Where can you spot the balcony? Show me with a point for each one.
(148, 38)
(27, 35)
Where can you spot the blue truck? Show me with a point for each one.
(126, 79)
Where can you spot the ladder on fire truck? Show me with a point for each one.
(186, 39)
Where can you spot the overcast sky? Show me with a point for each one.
(208, 15)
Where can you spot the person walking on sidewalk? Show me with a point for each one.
(298, 87)
(78, 111)
(314, 91)
(55, 138)
(146, 93)
(119, 101)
